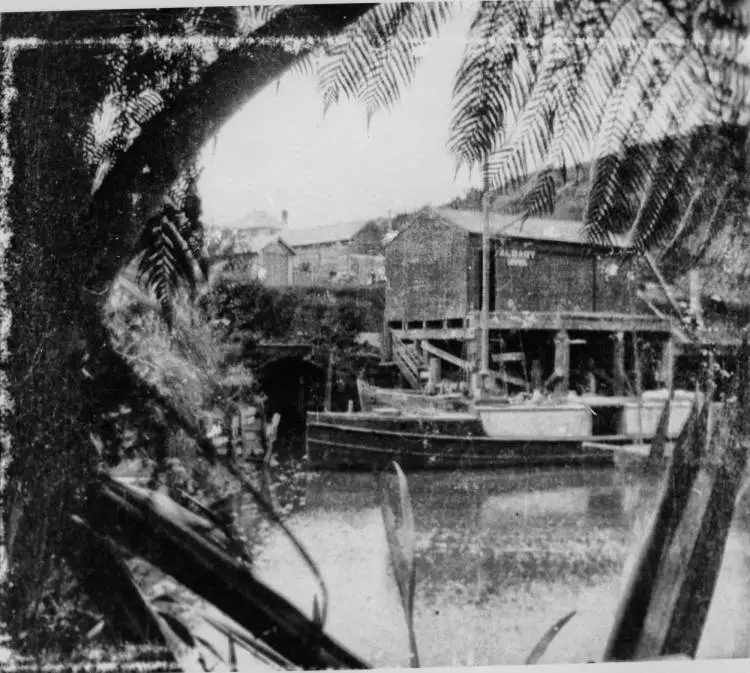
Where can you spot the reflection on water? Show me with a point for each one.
(501, 556)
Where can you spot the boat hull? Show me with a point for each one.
(337, 441)
(547, 422)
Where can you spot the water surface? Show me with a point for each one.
(501, 556)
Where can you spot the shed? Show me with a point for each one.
(266, 257)
(434, 268)
(558, 306)
(341, 252)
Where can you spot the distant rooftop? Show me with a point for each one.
(258, 243)
(327, 233)
(255, 219)
(235, 246)
(564, 231)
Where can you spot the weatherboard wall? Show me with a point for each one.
(276, 262)
(434, 273)
(427, 272)
(357, 260)
(547, 276)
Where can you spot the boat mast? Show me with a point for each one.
(485, 311)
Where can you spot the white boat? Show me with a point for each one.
(573, 431)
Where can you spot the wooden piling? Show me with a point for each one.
(562, 362)
(619, 364)
(661, 436)
(638, 375)
(435, 374)
(329, 382)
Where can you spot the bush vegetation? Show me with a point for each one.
(326, 319)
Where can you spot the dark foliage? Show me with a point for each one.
(83, 206)
(322, 316)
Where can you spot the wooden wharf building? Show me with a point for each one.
(562, 312)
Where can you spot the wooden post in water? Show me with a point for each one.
(387, 349)
(619, 364)
(638, 384)
(329, 382)
(484, 352)
(665, 605)
(668, 358)
(562, 363)
(435, 375)
(661, 436)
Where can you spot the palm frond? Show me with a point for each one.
(377, 56)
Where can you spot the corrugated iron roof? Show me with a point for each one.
(563, 231)
(252, 245)
(327, 233)
(260, 242)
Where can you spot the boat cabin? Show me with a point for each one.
(563, 314)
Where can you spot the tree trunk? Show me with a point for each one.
(67, 248)
(48, 259)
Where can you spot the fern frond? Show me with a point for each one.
(307, 65)
(527, 142)
(167, 260)
(621, 85)
(673, 153)
(115, 125)
(249, 19)
(710, 228)
(587, 31)
(493, 79)
(378, 55)
(628, 112)
(142, 107)
(606, 44)
(687, 220)
(539, 199)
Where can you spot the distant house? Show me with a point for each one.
(254, 247)
(345, 252)
(264, 257)
(258, 223)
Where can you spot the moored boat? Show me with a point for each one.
(540, 434)
(373, 397)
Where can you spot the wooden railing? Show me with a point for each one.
(408, 361)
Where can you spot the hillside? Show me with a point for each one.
(571, 198)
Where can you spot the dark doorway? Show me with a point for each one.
(290, 383)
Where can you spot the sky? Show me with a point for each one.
(282, 153)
